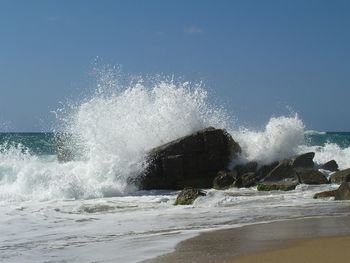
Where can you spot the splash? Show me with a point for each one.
(118, 125)
(280, 139)
(110, 133)
(327, 152)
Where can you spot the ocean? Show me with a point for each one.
(84, 210)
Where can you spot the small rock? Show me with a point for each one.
(312, 177)
(325, 194)
(282, 186)
(188, 195)
(343, 192)
(330, 166)
(340, 176)
(224, 180)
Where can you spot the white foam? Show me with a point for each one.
(327, 152)
(280, 139)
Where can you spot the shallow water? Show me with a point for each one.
(133, 228)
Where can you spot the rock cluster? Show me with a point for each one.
(281, 175)
(200, 160)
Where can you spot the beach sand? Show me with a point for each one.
(321, 250)
(297, 240)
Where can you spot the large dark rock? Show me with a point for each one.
(188, 195)
(303, 160)
(224, 180)
(343, 192)
(312, 177)
(325, 194)
(191, 161)
(340, 177)
(330, 166)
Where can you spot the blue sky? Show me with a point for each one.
(258, 57)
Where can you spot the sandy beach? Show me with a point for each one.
(320, 250)
(301, 240)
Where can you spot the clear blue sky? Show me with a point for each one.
(257, 56)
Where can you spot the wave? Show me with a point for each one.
(113, 129)
(312, 132)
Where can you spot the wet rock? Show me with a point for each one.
(224, 180)
(191, 161)
(330, 166)
(188, 195)
(343, 192)
(325, 194)
(340, 176)
(249, 179)
(264, 170)
(312, 177)
(282, 171)
(249, 167)
(303, 161)
(282, 186)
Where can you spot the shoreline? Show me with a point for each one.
(234, 244)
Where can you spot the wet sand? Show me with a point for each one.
(250, 243)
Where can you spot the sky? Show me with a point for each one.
(258, 58)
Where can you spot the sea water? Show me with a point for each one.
(84, 210)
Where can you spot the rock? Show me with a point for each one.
(264, 170)
(224, 180)
(249, 167)
(325, 194)
(303, 161)
(248, 180)
(282, 186)
(282, 171)
(343, 192)
(251, 179)
(191, 161)
(188, 195)
(340, 176)
(330, 166)
(312, 177)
